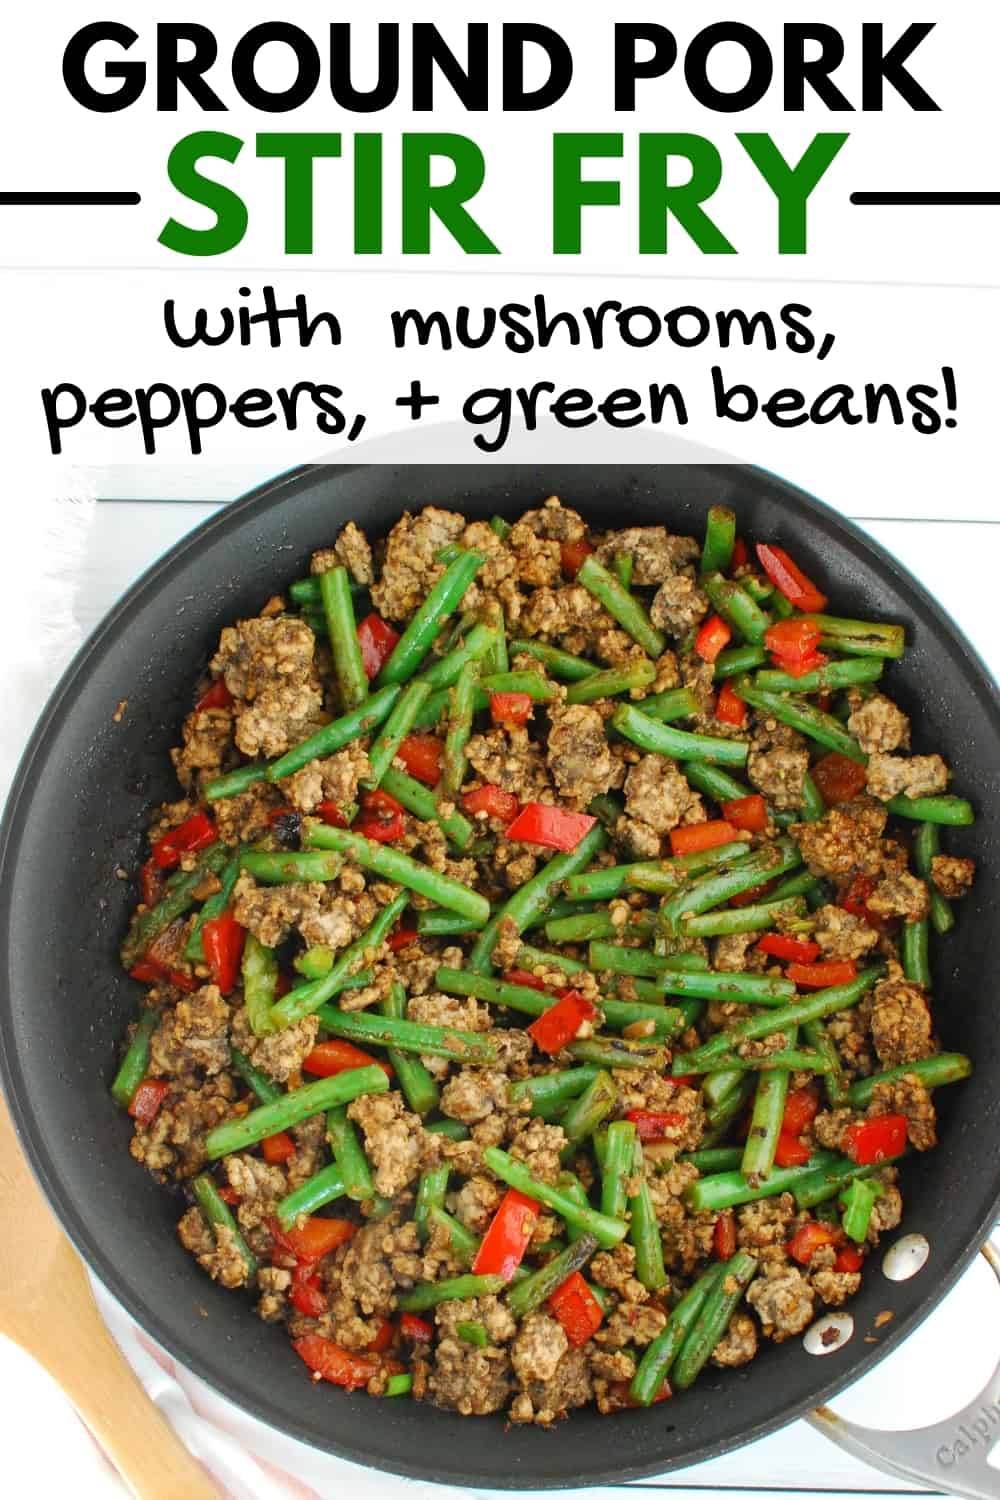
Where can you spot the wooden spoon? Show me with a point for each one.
(46, 1307)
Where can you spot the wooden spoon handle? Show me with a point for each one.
(87, 1363)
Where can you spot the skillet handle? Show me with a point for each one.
(951, 1455)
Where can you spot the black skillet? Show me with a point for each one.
(77, 812)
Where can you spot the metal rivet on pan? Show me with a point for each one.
(828, 1333)
(906, 1257)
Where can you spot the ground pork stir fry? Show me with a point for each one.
(537, 1001)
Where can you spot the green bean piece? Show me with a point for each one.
(715, 1086)
(658, 1357)
(752, 989)
(291, 1108)
(418, 1087)
(644, 1231)
(623, 569)
(443, 599)
(537, 1288)
(497, 659)
(212, 908)
(551, 1089)
(284, 868)
(789, 1059)
(813, 807)
(532, 683)
(258, 1082)
(736, 660)
(713, 1158)
(398, 1385)
(502, 528)
(714, 781)
(430, 1293)
(531, 1002)
(393, 864)
(323, 1187)
(448, 554)
(761, 590)
(729, 1189)
(713, 890)
(473, 1333)
(421, 801)
(711, 1323)
(148, 924)
(933, 1072)
(742, 919)
(736, 607)
(822, 1003)
(952, 812)
(612, 682)
(571, 1185)
(464, 1243)
(829, 1179)
(305, 591)
(608, 1232)
(219, 1218)
(621, 606)
(316, 963)
(435, 922)
(859, 637)
(765, 1122)
(454, 762)
(927, 843)
(914, 952)
(529, 957)
(827, 679)
(802, 883)
(351, 726)
(349, 1155)
(305, 999)
(614, 1052)
(588, 1110)
(665, 876)
(662, 739)
(528, 903)
(135, 1064)
(834, 1077)
(598, 924)
(395, 729)
(719, 1118)
(561, 664)
(806, 717)
(408, 1036)
(476, 645)
(431, 1188)
(858, 1201)
(338, 608)
(260, 978)
(720, 538)
(235, 782)
(675, 703)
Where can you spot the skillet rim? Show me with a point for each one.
(262, 498)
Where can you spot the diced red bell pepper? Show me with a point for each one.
(557, 1027)
(550, 827)
(377, 641)
(795, 950)
(382, 1338)
(791, 640)
(798, 666)
(801, 1108)
(810, 1237)
(838, 778)
(276, 1149)
(877, 1139)
(787, 576)
(506, 1239)
(307, 1295)
(729, 706)
(824, 701)
(147, 1099)
(150, 970)
(331, 814)
(656, 1125)
(713, 635)
(313, 1238)
(229, 1195)
(724, 1236)
(740, 556)
(685, 1081)
(150, 882)
(577, 1309)
(222, 940)
(402, 938)
(417, 1330)
(196, 832)
(511, 708)
(335, 1056)
(753, 895)
(493, 801)
(821, 976)
(749, 814)
(694, 838)
(328, 1361)
(574, 555)
(526, 980)
(216, 696)
(849, 1259)
(421, 755)
(282, 811)
(790, 1151)
(381, 818)
(282, 987)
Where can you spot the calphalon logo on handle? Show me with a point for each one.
(980, 1430)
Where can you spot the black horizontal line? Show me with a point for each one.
(69, 200)
(926, 200)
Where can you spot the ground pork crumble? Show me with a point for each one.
(275, 987)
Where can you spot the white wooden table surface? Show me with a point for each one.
(104, 547)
